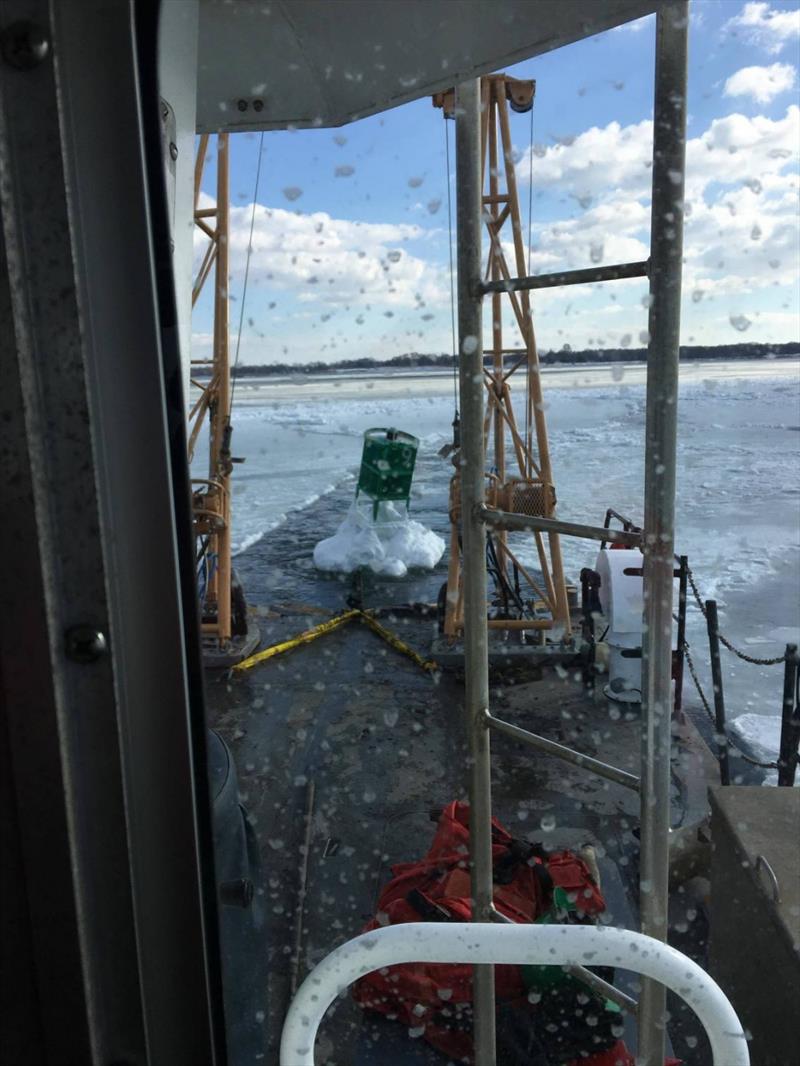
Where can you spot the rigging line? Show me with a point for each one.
(450, 246)
(530, 192)
(247, 269)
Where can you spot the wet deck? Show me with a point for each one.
(345, 746)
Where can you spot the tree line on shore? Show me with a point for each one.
(566, 356)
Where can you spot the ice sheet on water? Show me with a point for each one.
(392, 545)
(761, 734)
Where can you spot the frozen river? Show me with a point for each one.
(738, 506)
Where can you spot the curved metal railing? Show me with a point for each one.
(554, 945)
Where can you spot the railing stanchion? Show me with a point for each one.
(712, 623)
(666, 250)
(790, 719)
(476, 652)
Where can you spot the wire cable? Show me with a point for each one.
(452, 283)
(530, 193)
(246, 270)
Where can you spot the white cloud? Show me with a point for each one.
(636, 26)
(329, 261)
(344, 288)
(768, 28)
(606, 163)
(330, 288)
(741, 235)
(762, 83)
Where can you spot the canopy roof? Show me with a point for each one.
(271, 64)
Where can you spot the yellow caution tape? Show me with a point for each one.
(295, 642)
(328, 627)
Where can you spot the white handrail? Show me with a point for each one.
(552, 945)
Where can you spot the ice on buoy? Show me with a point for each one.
(392, 545)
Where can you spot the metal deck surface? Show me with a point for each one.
(381, 743)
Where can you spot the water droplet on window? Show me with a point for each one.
(548, 823)
(292, 192)
(344, 171)
(697, 296)
(394, 256)
(596, 251)
(414, 183)
(740, 322)
(469, 345)
(340, 139)
(433, 206)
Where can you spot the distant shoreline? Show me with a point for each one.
(598, 357)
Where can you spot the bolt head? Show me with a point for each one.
(23, 45)
(237, 893)
(258, 105)
(242, 105)
(85, 644)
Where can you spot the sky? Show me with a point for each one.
(350, 249)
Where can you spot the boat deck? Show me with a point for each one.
(344, 747)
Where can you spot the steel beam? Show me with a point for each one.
(666, 249)
(476, 657)
(522, 523)
(102, 722)
(551, 747)
(586, 276)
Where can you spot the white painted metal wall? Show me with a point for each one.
(177, 71)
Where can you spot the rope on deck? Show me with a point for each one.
(332, 624)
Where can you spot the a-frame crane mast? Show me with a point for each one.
(519, 471)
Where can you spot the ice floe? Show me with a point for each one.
(760, 735)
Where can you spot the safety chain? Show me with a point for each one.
(724, 640)
(713, 720)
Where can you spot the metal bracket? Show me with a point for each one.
(522, 523)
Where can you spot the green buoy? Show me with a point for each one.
(387, 467)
